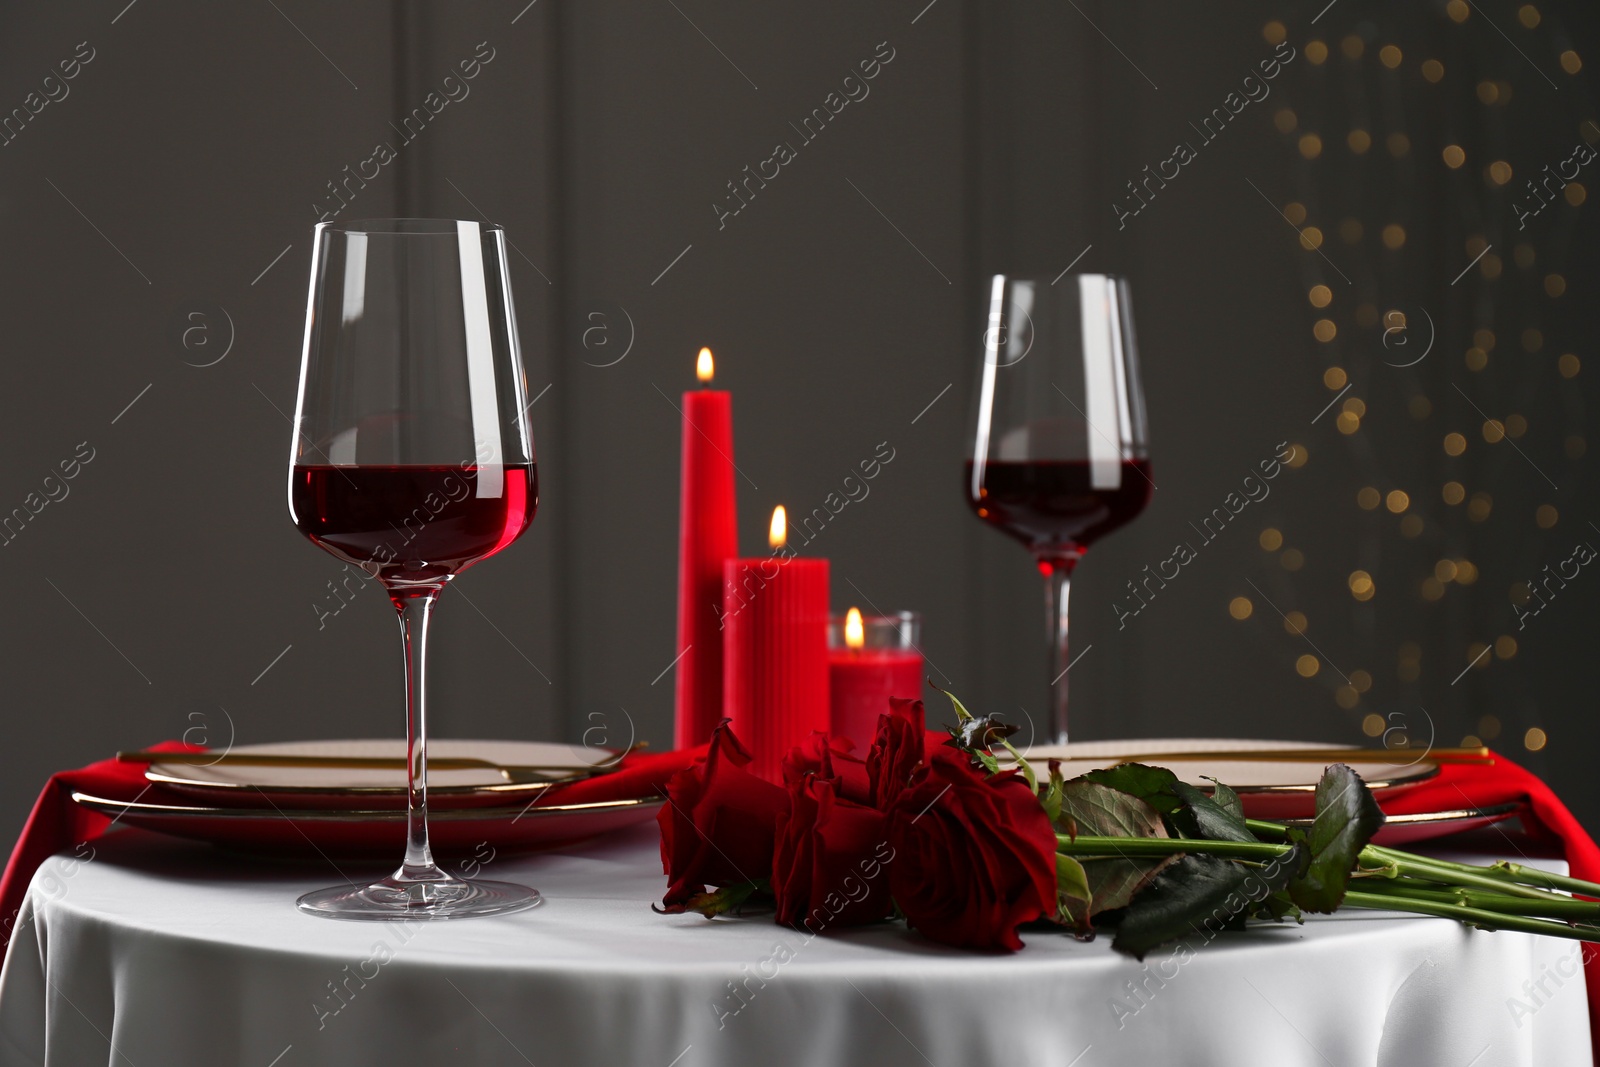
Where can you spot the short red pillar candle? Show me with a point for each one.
(707, 538)
(775, 651)
(869, 661)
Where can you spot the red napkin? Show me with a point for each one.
(57, 824)
(1475, 785)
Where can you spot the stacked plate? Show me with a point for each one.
(506, 803)
(1282, 789)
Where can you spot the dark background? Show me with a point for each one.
(168, 592)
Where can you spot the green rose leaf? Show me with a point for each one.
(1226, 798)
(1347, 817)
(1101, 811)
(1199, 891)
(1050, 796)
(1153, 785)
(1213, 821)
(1073, 895)
(724, 900)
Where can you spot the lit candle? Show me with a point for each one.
(869, 661)
(775, 658)
(707, 538)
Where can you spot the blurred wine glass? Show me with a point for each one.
(1059, 452)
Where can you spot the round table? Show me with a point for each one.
(159, 953)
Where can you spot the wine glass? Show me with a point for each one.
(1060, 454)
(413, 460)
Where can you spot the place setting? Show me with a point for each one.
(816, 844)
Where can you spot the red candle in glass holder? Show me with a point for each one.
(869, 661)
(775, 650)
(707, 538)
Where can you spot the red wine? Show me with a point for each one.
(1052, 506)
(408, 524)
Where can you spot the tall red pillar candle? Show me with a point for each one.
(707, 538)
(775, 652)
(870, 661)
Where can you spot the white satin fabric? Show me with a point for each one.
(156, 953)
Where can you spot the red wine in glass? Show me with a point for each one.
(1053, 506)
(413, 524)
(413, 459)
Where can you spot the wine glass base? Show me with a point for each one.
(390, 900)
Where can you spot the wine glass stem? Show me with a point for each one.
(416, 608)
(1057, 584)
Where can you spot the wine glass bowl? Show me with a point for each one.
(412, 459)
(1060, 453)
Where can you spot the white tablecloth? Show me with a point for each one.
(156, 953)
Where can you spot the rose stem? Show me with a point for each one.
(1502, 877)
(1476, 916)
(1554, 908)
(1393, 864)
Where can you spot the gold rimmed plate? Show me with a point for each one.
(245, 785)
(379, 833)
(1269, 789)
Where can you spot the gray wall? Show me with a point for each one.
(841, 302)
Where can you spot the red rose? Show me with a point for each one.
(827, 756)
(896, 752)
(828, 869)
(719, 823)
(974, 855)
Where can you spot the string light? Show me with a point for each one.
(1495, 95)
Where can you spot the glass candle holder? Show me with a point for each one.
(870, 659)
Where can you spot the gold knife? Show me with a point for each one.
(511, 772)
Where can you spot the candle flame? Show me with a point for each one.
(854, 633)
(703, 367)
(778, 532)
